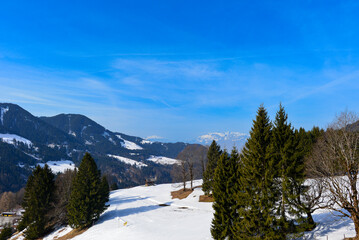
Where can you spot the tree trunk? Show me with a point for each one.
(356, 225)
(310, 221)
(190, 167)
(203, 166)
(184, 174)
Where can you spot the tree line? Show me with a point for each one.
(75, 197)
(255, 191)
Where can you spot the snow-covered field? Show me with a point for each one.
(139, 208)
(59, 166)
(136, 214)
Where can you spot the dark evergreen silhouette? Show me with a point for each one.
(104, 195)
(6, 233)
(38, 199)
(224, 189)
(114, 186)
(213, 155)
(88, 195)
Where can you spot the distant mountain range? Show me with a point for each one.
(27, 140)
(227, 140)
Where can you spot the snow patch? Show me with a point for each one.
(163, 160)
(72, 133)
(62, 231)
(83, 129)
(21, 165)
(129, 145)
(128, 161)
(59, 166)
(2, 112)
(33, 156)
(107, 135)
(14, 139)
(53, 145)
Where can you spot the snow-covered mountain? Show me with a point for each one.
(27, 141)
(227, 140)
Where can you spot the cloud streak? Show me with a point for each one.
(146, 96)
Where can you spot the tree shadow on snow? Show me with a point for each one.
(120, 213)
(328, 223)
(119, 201)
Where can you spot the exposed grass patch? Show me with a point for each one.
(180, 194)
(206, 198)
(72, 234)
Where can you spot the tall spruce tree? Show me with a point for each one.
(224, 190)
(303, 200)
(213, 155)
(256, 197)
(38, 201)
(282, 151)
(88, 198)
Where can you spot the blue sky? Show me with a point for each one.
(180, 69)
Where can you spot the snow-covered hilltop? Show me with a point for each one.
(226, 139)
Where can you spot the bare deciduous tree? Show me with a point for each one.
(179, 173)
(335, 159)
(310, 198)
(7, 201)
(190, 171)
(184, 174)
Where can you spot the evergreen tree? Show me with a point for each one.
(114, 186)
(103, 195)
(213, 155)
(38, 201)
(283, 153)
(302, 200)
(88, 195)
(256, 197)
(224, 190)
(6, 233)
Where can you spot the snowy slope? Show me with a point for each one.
(182, 220)
(129, 145)
(185, 219)
(163, 160)
(9, 138)
(139, 207)
(128, 161)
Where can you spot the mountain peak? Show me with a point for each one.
(226, 140)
